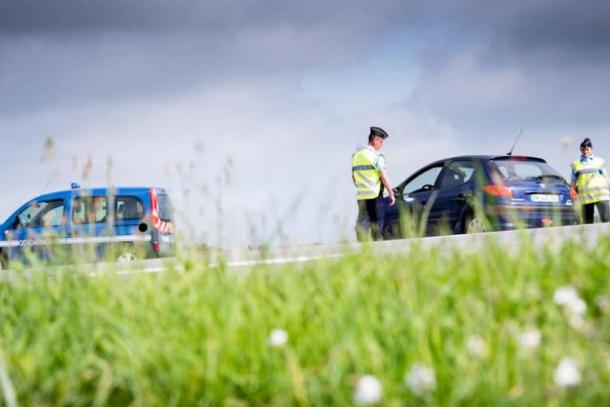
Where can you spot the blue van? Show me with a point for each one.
(112, 223)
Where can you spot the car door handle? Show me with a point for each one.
(460, 198)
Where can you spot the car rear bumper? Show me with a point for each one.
(509, 217)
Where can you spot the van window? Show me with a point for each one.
(41, 214)
(165, 208)
(89, 209)
(128, 208)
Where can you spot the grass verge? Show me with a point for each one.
(433, 328)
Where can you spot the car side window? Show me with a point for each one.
(457, 173)
(41, 214)
(128, 208)
(423, 182)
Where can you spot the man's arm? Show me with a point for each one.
(573, 179)
(604, 173)
(386, 183)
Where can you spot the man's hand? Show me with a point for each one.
(392, 198)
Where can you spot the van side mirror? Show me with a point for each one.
(16, 223)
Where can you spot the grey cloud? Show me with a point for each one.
(519, 25)
(25, 17)
(534, 63)
(72, 52)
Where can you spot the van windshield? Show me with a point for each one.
(523, 170)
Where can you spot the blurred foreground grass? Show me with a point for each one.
(431, 328)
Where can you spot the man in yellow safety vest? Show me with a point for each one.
(591, 182)
(369, 176)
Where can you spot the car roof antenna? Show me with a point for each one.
(515, 144)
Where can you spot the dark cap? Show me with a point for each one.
(586, 143)
(378, 131)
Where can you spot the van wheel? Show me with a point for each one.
(127, 257)
(473, 224)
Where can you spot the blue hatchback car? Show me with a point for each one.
(119, 223)
(471, 194)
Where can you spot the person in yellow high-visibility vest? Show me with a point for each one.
(369, 176)
(591, 182)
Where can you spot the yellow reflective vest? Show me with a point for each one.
(366, 172)
(591, 184)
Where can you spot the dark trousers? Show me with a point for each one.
(603, 207)
(370, 219)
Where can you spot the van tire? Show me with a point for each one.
(126, 257)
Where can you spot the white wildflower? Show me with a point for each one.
(568, 298)
(567, 373)
(278, 338)
(368, 390)
(421, 379)
(476, 346)
(565, 295)
(577, 306)
(578, 323)
(530, 339)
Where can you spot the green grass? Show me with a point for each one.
(201, 337)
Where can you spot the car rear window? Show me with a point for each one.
(522, 170)
(165, 208)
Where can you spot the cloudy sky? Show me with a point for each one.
(248, 111)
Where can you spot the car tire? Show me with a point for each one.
(473, 224)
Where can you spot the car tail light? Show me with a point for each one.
(155, 218)
(499, 191)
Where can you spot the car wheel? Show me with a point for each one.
(127, 257)
(473, 224)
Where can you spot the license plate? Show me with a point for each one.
(544, 198)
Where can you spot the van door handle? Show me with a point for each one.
(460, 198)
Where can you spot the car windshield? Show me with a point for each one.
(523, 170)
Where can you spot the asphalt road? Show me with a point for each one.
(551, 238)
